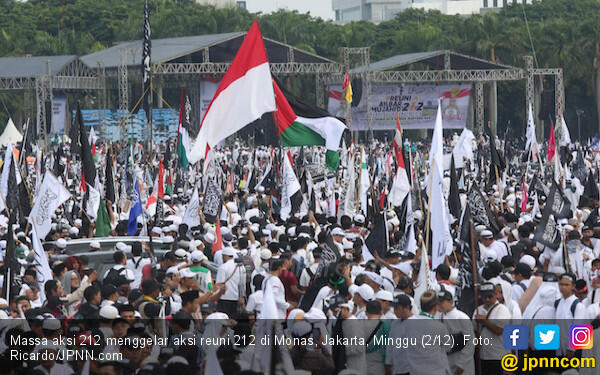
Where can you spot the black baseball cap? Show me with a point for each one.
(402, 300)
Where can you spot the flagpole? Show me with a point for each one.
(359, 180)
(475, 291)
(498, 188)
(428, 221)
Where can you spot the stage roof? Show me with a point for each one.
(29, 67)
(222, 48)
(434, 60)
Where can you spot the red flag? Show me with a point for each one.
(83, 187)
(382, 200)
(346, 81)
(551, 142)
(161, 184)
(524, 197)
(218, 243)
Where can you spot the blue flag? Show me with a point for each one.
(134, 211)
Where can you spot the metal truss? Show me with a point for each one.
(479, 105)
(59, 82)
(438, 75)
(221, 68)
(19, 83)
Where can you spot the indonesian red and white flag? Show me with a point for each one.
(244, 95)
(400, 186)
(524, 197)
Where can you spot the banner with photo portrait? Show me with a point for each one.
(415, 104)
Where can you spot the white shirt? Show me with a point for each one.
(305, 277)
(432, 359)
(500, 315)
(224, 272)
(322, 296)
(456, 322)
(57, 369)
(395, 355)
(501, 249)
(517, 291)
(255, 301)
(137, 271)
(251, 213)
(274, 285)
(564, 319)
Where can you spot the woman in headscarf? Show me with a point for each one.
(71, 282)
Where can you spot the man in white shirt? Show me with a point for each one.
(232, 275)
(386, 298)
(309, 272)
(429, 359)
(395, 355)
(363, 294)
(501, 248)
(136, 264)
(460, 357)
(491, 317)
(568, 308)
(522, 276)
(120, 261)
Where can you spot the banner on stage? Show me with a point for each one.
(59, 112)
(207, 92)
(416, 105)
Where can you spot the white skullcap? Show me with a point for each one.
(403, 267)
(528, 260)
(366, 292)
(384, 295)
(490, 256)
(61, 243)
(301, 328)
(109, 312)
(197, 256)
(265, 254)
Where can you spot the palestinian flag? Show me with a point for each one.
(299, 124)
(169, 190)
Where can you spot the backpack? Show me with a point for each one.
(573, 306)
(297, 267)
(114, 276)
(311, 276)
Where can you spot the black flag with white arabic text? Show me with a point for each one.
(146, 47)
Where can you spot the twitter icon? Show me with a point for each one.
(547, 337)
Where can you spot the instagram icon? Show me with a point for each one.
(581, 336)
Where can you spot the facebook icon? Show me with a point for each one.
(516, 337)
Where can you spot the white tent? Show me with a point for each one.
(10, 134)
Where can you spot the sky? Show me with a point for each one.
(317, 8)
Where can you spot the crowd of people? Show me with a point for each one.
(235, 269)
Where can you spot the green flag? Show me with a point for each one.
(102, 221)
